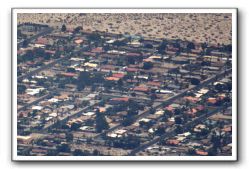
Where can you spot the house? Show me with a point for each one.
(172, 142)
(41, 41)
(212, 100)
(35, 91)
(118, 75)
(227, 129)
(174, 87)
(78, 41)
(180, 60)
(192, 112)
(172, 107)
(191, 99)
(62, 97)
(141, 89)
(154, 84)
(51, 52)
(97, 50)
(24, 139)
(132, 69)
(91, 65)
(201, 152)
(119, 100)
(145, 120)
(112, 78)
(38, 152)
(68, 74)
(117, 133)
(199, 128)
(164, 91)
(107, 68)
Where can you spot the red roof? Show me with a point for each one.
(132, 69)
(200, 107)
(212, 100)
(131, 81)
(158, 84)
(118, 75)
(202, 153)
(50, 51)
(133, 54)
(169, 108)
(227, 129)
(171, 48)
(68, 74)
(173, 142)
(141, 89)
(192, 112)
(112, 78)
(108, 67)
(88, 53)
(30, 63)
(42, 41)
(124, 99)
(78, 41)
(97, 50)
(19, 52)
(191, 99)
(37, 150)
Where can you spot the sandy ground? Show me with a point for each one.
(212, 28)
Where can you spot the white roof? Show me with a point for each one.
(37, 108)
(93, 65)
(116, 51)
(39, 45)
(34, 91)
(151, 130)
(121, 131)
(198, 95)
(77, 59)
(71, 106)
(164, 91)
(53, 114)
(145, 120)
(155, 57)
(172, 119)
(23, 137)
(203, 91)
(181, 138)
(48, 118)
(113, 135)
(85, 127)
(215, 83)
(110, 41)
(53, 100)
(160, 112)
(25, 80)
(89, 113)
(39, 77)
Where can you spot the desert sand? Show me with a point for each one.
(211, 28)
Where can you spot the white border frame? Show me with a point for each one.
(15, 157)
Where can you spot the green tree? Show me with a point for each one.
(147, 65)
(69, 137)
(63, 28)
(21, 88)
(101, 123)
(78, 152)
